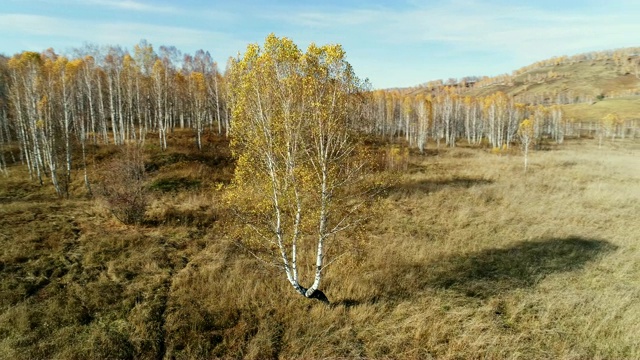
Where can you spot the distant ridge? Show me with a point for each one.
(609, 79)
(611, 73)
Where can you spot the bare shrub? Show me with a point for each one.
(123, 185)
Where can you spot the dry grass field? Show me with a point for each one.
(465, 256)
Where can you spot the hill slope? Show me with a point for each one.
(590, 85)
(585, 80)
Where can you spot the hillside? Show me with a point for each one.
(588, 89)
(570, 82)
(608, 80)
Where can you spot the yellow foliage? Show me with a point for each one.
(295, 153)
(397, 158)
(526, 128)
(610, 120)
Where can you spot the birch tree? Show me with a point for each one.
(424, 116)
(73, 73)
(606, 127)
(5, 133)
(526, 135)
(159, 77)
(296, 157)
(198, 94)
(24, 72)
(113, 71)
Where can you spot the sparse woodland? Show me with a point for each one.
(154, 205)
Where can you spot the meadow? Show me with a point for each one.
(464, 256)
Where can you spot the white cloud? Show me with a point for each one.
(323, 19)
(396, 44)
(73, 33)
(131, 5)
(514, 34)
(34, 25)
(483, 26)
(126, 5)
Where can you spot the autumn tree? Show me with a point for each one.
(424, 118)
(607, 126)
(526, 135)
(5, 133)
(197, 91)
(113, 71)
(78, 112)
(558, 123)
(160, 91)
(24, 72)
(497, 119)
(296, 156)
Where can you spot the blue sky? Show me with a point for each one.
(393, 43)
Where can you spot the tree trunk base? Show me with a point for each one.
(319, 295)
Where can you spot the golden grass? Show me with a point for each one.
(467, 256)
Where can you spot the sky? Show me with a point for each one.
(392, 43)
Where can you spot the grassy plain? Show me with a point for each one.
(466, 256)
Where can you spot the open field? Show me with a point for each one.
(466, 256)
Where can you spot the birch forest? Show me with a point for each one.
(53, 107)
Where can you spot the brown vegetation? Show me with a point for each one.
(123, 185)
(466, 256)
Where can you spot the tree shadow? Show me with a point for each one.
(486, 273)
(525, 264)
(426, 186)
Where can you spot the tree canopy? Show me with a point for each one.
(296, 154)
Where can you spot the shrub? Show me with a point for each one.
(123, 185)
(397, 158)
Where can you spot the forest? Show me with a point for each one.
(155, 205)
(52, 105)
